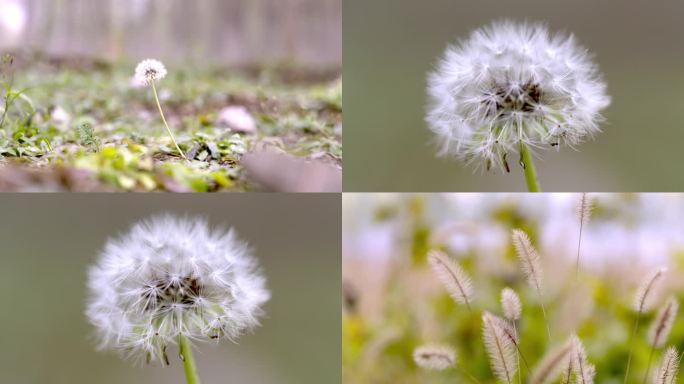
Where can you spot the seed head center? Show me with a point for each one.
(517, 98)
(163, 293)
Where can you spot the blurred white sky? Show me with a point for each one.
(643, 227)
(12, 21)
(307, 32)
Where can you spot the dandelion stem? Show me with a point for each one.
(191, 376)
(631, 346)
(156, 98)
(528, 166)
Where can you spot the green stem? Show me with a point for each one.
(631, 346)
(156, 98)
(648, 367)
(191, 376)
(528, 165)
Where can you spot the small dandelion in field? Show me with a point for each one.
(511, 87)
(148, 72)
(171, 281)
(435, 357)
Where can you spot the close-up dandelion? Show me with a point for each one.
(173, 281)
(510, 89)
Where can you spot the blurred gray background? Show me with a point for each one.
(390, 45)
(48, 242)
(237, 32)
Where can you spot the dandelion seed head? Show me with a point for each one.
(148, 71)
(434, 357)
(510, 302)
(512, 83)
(171, 276)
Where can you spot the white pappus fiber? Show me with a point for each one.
(171, 276)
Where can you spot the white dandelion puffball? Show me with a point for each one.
(171, 276)
(511, 84)
(435, 357)
(149, 70)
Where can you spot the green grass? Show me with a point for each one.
(116, 140)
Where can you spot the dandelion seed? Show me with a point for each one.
(511, 86)
(500, 348)
(435, 357)
(453, 277)
(669, 368)
(510, 302)
(171, 280)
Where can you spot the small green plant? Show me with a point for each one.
(87, 137)
(10, 95)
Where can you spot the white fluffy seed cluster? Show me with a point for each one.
(510, 84)
(171, 276)
(149, 70)
(435, 357)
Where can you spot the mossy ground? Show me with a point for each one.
(81, 120)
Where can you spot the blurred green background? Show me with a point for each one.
(390, 45)
(48, 242)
